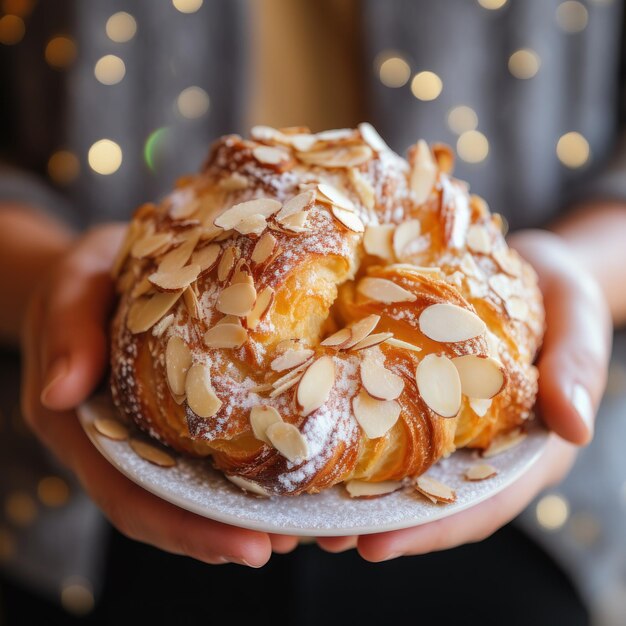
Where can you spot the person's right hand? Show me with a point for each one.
(64, 350)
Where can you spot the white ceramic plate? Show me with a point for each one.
(194, 485)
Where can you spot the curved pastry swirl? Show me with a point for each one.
(312, 308)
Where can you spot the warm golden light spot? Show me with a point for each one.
(572, 150)
(53, 491)
(193, 102)
(552, 511)
(187, 6)
(105, 157)
(12, 30)
(77, 596)
(7, 545)
(20, 508)
(492, 5)
(63, 167)
(121, 27)
(22, 8)
(60, 52)
(110, 70)
(393, 70)
(472, 146)
(426, 86)
(572, 16)
(462, 119)
(524, 63)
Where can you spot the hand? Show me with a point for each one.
(64, 358)
(572, 374)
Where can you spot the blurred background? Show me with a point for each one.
(104, 103)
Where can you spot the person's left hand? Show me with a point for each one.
(572, 374)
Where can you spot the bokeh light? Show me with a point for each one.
(572, 149)
(426, 86)
(105, 157)
(77, 596)
(552, 511)
(393, 70)
(63, 167)
(110, 70)
(121, 27)
(53, 491)
(60, 52)
(524, 63)
(23, 8)
(472, 146)
(12, 29)
(193, 102)
(572, 16)
(7, 545)
(187, 6)
(461, 119)
(20, 508)
(492, 5)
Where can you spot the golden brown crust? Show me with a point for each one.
(305, 266)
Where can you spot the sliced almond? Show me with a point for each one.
(423, 172)
(226, 263)
(380, 382)
(241, 273)
(383, 290)
(478, 239)
(349, 219)
(252, 225)
(151, 453)
(449, 323)
(264, 300)
(444, 156)
(248, 485)
(291, 358)
(508, 261)
(377, 241)
(288, 440)
(141, 288)
(364, 188)
(315, 385)
(266, 133)
(262, 388)
(177, 363)
(480, 406)
(335, 196)
(371, 340)
(177, 258)
(517, 308)
(361, 329)
(225, 336)
(302, 142)
(270, 156)
(435, 490)
(296, 222)
(151, 244)
(262, 416)
(502, 443)
(191, 302)
(178, 279)
(481, 377)
(237, 299)
(405, 345)
(285, 387)
(371, 137)
(410, 269)
(111, 428)
(206, 257)
(263, 248)
(337, 157)
(439, 385)
(302, 202)
(229, 319)
(184, 210)
(338, 339)
(336, 135)
(159, 328)
(295, 373)
(364, 489)
(132, 233)
(404, 234)
(146, 312)
(261, 206)
(234, 182)
(376, 417)
(480, 471)
(201, 397)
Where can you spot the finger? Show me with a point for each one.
(283, 544)
(478, 522)
(337, 544)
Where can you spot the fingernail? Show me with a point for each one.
(581, 401)
(239, 561)
(393, 555)
(55, 373)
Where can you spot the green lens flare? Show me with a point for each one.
(154, 144)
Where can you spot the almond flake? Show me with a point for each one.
(378, 381)
(363, 187)
(150, 245)
(252, 225)
(502, 285)
(248, 485)
(478, 239)
(261, 206)
(335, 134)
(291, 358)
(376, 417)
(335, 196)
(178, 279)
(398, 343)
(270, 156)
(141, 288)
(337, 157)
(364, 489)
(439, 385)
(234, 182)
(377, 241)
(435, 490)
(191, 302)
(296, 222)
(411, 269)
(423, 172)
(288, 440)
(178, 257)
(294, 374)
(263, 248)
(302, 202)
(449, 323)
(229, 319)
(206, 257)
(480, 471)
(177, 362)
(480, 406)
(444, 156)
(338, 339)
(502, 443)
(163, 325)
(264, 300)
(371, 341)
(517, 308)
(201, 397)
(237, 299)
(371, 137)
(262, 388)
(481, 377)
(146, 312)
(302, 142)
(226, 263)
(262, 416)
(225, 336)
(150, 453)
(266, 133)
(184, 210)
(349, 219)
(132, 232)
(508, 261)
(241, 273)
(315, 385)
(285, 386)
(361, 329)
(383, 290)
(404, 234)
(111, 428)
